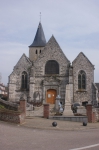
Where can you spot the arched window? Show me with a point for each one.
(36, 51)
(52, 67)
(40, 50)
(24, 81)
(82, 80)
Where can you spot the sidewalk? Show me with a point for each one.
(42, 123)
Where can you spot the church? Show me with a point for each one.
(47, 72)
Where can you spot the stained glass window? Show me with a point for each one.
(82, 80)
(52, 67)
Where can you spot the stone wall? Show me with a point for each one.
(32, 52)
(11, 116)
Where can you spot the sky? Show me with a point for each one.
(74, 24)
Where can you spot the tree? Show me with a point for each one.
(0, 77)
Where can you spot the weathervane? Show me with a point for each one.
(40, 16)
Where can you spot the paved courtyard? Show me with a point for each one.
(42, 123)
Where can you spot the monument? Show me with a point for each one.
(68, 101)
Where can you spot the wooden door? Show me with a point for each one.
(51, 96)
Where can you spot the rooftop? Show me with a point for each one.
(39, 40)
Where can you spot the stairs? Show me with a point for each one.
(38, 111)
(52, 109)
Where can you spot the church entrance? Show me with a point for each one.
(51, 96)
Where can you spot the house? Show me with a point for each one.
(3, 91)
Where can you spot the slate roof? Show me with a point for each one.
(39, 39)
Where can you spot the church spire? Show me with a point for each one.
(39, 40)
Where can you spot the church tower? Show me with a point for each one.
(35, 49)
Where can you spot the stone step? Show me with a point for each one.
(38, 111)
(70, 118)
(52, 109)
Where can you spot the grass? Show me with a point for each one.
(1, 106)
(3, 109)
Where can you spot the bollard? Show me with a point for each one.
(84, 124)
(54, 124)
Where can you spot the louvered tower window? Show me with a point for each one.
(52, 67)
(82, 80)
(24, 80)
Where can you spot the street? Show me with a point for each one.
(16, 137)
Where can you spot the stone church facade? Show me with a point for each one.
(47, 72)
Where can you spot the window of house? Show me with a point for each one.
(24, 80)
(36, 51)
(82, 80)
(52, 67)
(40, 50)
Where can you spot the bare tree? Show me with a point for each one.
(0, 77)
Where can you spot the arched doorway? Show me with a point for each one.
(51, 96)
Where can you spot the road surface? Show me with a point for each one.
(15, 137)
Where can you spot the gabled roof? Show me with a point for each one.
(81, 53)
(28, 60)
(39, 39)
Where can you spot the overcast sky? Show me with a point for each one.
(74, 24)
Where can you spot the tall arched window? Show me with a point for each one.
(24, 80)
(40, 50)
(82, 80)
(36, 51)
(52, 67)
